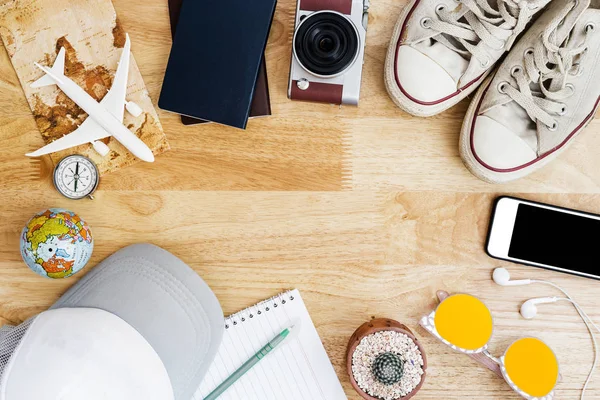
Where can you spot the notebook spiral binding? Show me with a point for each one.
(258, 309)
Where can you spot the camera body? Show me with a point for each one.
(328, 51)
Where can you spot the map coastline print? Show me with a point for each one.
(35, 30)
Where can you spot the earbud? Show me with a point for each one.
(529, 308)
(502, 277)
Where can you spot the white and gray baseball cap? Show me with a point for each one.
(140, 325)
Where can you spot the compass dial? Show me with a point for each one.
(76, 177)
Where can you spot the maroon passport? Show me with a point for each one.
(261, 102)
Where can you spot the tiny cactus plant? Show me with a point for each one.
(388, 368)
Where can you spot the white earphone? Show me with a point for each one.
(528, 309)
(502, 277)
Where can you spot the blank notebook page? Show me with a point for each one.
(297, 369)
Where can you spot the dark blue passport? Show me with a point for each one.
(215, 59)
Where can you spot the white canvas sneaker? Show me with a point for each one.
(441, 50)
(543, 94)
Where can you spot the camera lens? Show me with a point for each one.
(326, 43)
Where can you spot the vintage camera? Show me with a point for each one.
(328, 51)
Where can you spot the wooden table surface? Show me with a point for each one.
(368, 211)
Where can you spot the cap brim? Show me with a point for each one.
(164, 300)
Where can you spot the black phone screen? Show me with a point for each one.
(557, 239)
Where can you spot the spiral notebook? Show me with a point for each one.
(299, 369)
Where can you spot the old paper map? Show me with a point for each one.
(35, 30)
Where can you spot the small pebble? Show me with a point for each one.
(387, 341)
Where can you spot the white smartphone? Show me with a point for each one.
(545, 236)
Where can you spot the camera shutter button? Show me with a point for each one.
(303, 84)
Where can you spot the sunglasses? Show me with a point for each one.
(464, 323)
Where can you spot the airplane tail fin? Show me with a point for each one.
(57, 70)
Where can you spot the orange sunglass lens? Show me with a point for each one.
(464, 321)
(532, 366)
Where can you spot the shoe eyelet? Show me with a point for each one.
(553, 127)
(485, 63)
(528, 51)
(590, 27)
(501, 86)
(571, 86)
(440, 7)
(515, 69)
(426, 23)
(563, 110)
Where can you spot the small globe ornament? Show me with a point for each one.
(388, 368)
(56, 243)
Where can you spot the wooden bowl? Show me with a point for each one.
(377, 325)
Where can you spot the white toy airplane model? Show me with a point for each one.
(105, 118)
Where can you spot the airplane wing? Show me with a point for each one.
(88, 131)
(114, 100)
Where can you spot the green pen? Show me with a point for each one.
(248, 365)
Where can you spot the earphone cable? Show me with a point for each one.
(587, 320)
(570, 298)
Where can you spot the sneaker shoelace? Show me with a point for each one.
(476, 21)
(543, 83)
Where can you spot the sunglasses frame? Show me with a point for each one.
(481, 355)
